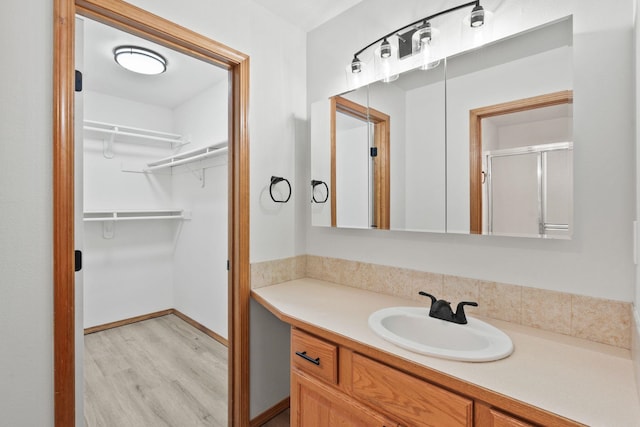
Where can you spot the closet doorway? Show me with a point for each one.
(153, 151)
(66, 327)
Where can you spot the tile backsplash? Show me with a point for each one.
(595, 319)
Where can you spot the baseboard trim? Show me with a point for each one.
(129, 321)
(161, 313)
(270, 413)
(201, 327)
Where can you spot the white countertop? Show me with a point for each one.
(585, 381)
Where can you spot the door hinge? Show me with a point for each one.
(227, 265)
(373, 151)
(78, 260)
(78, 81)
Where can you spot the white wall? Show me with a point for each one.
(150, 266)
(277, 51)
(598, 261)
(26, 289)
(132, 273)
(320, 168)
(424, 167)
(352, 174)
(278, 142)
(278, 132)
(200, 288)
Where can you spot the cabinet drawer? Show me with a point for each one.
(314, 356)
(416, 402)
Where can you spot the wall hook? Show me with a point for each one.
(275, 180)
(314, 184)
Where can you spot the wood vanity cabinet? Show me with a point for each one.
(321, 406)
(333, 385)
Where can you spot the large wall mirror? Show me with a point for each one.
(478, 143)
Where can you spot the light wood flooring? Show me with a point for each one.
(159, 372)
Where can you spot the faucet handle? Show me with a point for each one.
(460, 316)
(424, 294)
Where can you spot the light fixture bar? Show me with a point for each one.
(475, 3)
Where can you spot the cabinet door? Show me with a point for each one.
(316, 405)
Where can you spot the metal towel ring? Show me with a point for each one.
(274, 181)
(314, 184)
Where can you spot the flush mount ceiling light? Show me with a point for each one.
(412, 37)
(140, 60)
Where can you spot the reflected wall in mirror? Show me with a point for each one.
(415, 103)
(359, 165)
(405, 121)
(488, 188)
(521, 167)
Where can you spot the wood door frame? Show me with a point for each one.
(137, 21)
(475, 143)
(381, 124)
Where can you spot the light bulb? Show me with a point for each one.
(385, 49)
(356, 65)
(477, 16)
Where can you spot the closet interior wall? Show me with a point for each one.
(144, 266)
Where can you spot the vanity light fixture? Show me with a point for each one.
(477, 16)
(423, 33)
(418, 34)
(356, 65)
(385, 49)
(140, 60)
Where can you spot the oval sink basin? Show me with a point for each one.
(412, 329)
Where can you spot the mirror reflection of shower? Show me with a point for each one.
(528, 172)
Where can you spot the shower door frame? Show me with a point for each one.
(541, 165)
(476, 174)
(121, 15)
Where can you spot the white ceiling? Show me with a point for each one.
(307, 14)
(184, 78)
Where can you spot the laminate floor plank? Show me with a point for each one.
(158, 372)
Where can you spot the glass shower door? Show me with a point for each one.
(529, 191)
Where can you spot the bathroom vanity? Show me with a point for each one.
(344, 374)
